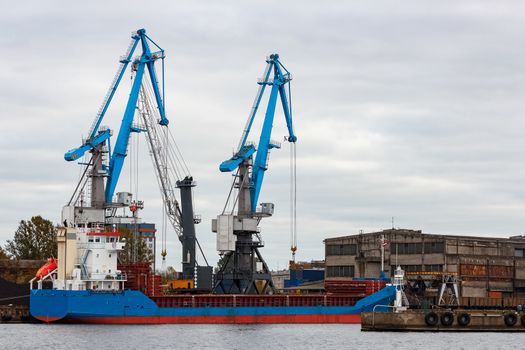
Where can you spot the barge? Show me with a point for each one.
(459, 320)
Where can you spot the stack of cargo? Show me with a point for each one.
(356, 287)
(139, 277)
(153, 287)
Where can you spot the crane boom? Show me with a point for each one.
(147, 59)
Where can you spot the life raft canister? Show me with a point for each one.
(48, 267)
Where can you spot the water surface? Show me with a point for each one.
(328, 336)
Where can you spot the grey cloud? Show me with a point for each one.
(408, 109)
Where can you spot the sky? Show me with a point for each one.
(411, 110)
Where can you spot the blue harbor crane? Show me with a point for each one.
(242, 268)
(95, 138)
(146, 100)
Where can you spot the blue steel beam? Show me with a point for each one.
(121, 146)
(147, 59)
(113, 88)
(147, 55)
(93, 137)
(259, 165)
(256, 103)
(91, 143)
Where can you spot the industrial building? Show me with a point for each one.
(482, 266)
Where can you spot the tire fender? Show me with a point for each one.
(431, 319)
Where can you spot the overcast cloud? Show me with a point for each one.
(408, 109)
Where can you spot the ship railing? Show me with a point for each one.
(374, 311)
(41, 280)
(254, 301)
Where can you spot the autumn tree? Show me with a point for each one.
(168, 275)
(34, 239)
(3, 254)
(136, 249)
(224, 259)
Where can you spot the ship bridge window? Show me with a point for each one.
(97, 239)
(90, 239)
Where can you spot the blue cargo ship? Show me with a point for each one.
(134, 307)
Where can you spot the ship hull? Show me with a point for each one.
(133, 307)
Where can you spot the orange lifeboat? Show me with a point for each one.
(48, 267)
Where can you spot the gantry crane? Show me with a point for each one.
(147, 98)
(242, 268)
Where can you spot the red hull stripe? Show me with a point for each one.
(266, 319)
(47, 319)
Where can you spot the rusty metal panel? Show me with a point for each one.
(495, 294)
(499, 271)
(473, 270)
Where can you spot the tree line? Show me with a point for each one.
(35, 239)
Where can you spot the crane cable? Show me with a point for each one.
(293, 185)
(164, 214)
(293, 199)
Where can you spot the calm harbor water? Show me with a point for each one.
(72, 337)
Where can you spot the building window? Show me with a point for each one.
(341, 249)
(433, 268)
(518, 252)
(434, 247)
(418, 248)
(407, 248)
(419, 268)
(340, 271)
